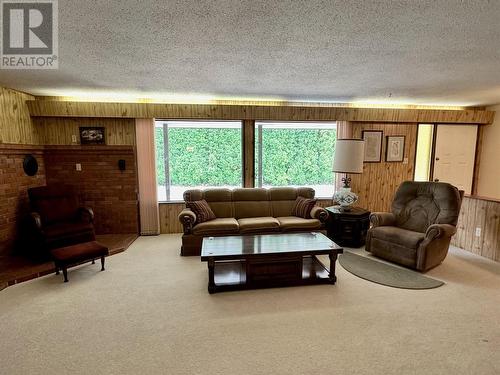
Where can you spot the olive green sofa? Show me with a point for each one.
(247, 211)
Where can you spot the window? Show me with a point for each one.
(197, 154)
(295, 154)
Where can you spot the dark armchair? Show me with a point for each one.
(418, 231)
(57, 220)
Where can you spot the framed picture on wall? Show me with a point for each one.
(92, 135)
(373, 145)
(395, 148)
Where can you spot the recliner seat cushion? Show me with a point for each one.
(225, 225)
(258, 224)
(400, 236)
(291, 223)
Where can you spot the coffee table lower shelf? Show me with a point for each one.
(243, 274)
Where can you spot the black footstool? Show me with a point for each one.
(73, 255)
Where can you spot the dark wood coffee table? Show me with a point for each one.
(270, 260)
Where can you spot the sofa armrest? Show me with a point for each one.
(319, 213)
(382, 219)
(440, 230)
(35, 221)
(187, 218)
(86, 214)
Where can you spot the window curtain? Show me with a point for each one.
(146, 167)
(344, 131)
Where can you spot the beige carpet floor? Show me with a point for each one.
(150, 313)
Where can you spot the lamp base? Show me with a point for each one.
(345, 198)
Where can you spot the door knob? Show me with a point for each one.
(437, 159)
(436, 180)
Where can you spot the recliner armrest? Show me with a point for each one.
(382, 219)
(187, 218)
(440, 230)
(319, 213)
(86, 214)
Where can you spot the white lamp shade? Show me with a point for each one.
(349, 155)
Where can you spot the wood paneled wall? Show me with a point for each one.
(59, 130)
(378, 182)
(483, 214)
(44, 108)
(169, 223)
(15, 121)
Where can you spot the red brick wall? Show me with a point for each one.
(111, 193)
(14, 185)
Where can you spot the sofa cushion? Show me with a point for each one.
(292, 223)
(259, 224)
(226, 225)
(202, 210)
(400, 236)
(302, 207)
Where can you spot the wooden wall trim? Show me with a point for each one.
(52, 108)
(248, 153)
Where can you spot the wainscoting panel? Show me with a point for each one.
(484, 214)
(169, 223)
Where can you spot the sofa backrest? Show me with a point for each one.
(417, 205)
(219, 200)
(250, 202)
(283, 198)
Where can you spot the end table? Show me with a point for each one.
(348, 228)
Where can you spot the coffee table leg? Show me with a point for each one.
(211, 276)
(333, 259)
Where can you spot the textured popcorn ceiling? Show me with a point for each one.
(415, 52)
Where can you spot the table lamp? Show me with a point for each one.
(348, 158)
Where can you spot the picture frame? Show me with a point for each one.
(92, 135)
(395, 148)
(373, 145)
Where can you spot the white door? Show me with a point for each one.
(455, 154)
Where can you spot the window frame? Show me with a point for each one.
(166, 154)
(258, 155)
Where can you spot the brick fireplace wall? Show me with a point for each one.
(101, 185)
(14, 185)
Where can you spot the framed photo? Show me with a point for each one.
(395, 148)
(92, 135)
(373, 145)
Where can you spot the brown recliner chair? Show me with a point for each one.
(418, 231)
(57, 220)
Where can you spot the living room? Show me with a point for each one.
(267, 187)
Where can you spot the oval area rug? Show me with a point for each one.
(385, 274)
